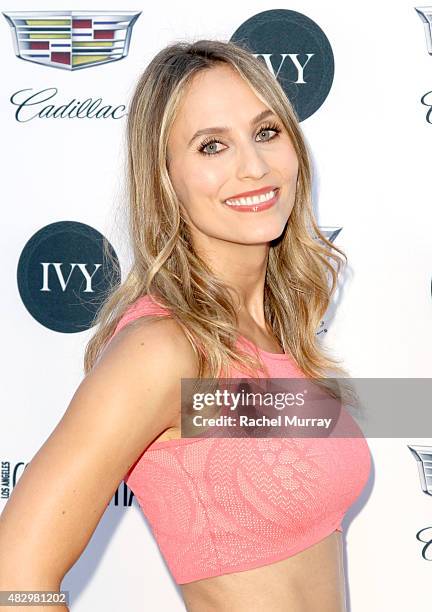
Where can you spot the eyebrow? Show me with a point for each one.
(220, 129)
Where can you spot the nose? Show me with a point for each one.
(251, 161)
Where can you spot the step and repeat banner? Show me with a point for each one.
(360, 78)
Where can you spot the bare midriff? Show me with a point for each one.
(310, 581)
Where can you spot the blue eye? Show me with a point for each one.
(210, 141)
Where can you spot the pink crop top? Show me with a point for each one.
(222, 505)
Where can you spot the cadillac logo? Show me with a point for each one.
(423, 456)
(331, 233)
(425, 14)
(71, 39)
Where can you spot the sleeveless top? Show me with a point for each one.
(222, 505)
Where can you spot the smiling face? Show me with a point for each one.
(254, 152)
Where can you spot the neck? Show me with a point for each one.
(243, 269)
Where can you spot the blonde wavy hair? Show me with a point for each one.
(303, 266)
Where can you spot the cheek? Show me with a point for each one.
(283, 156)
(288, 164)
(198, 186)
(293, 163)
(201, 182)
(207, 177)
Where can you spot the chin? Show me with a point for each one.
(267, 234)
(260, 239)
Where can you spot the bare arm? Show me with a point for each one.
(128, 399)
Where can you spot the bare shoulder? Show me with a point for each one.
(160, 340)
(127, 399)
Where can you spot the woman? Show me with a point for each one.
(222, 282)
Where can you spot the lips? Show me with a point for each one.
(255, 207)
(250, 194)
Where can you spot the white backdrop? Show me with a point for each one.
(370, 143)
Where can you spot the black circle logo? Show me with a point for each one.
(297, 53)
(64, 275)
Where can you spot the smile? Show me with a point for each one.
(255, 203)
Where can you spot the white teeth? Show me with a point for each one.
(249, 201)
